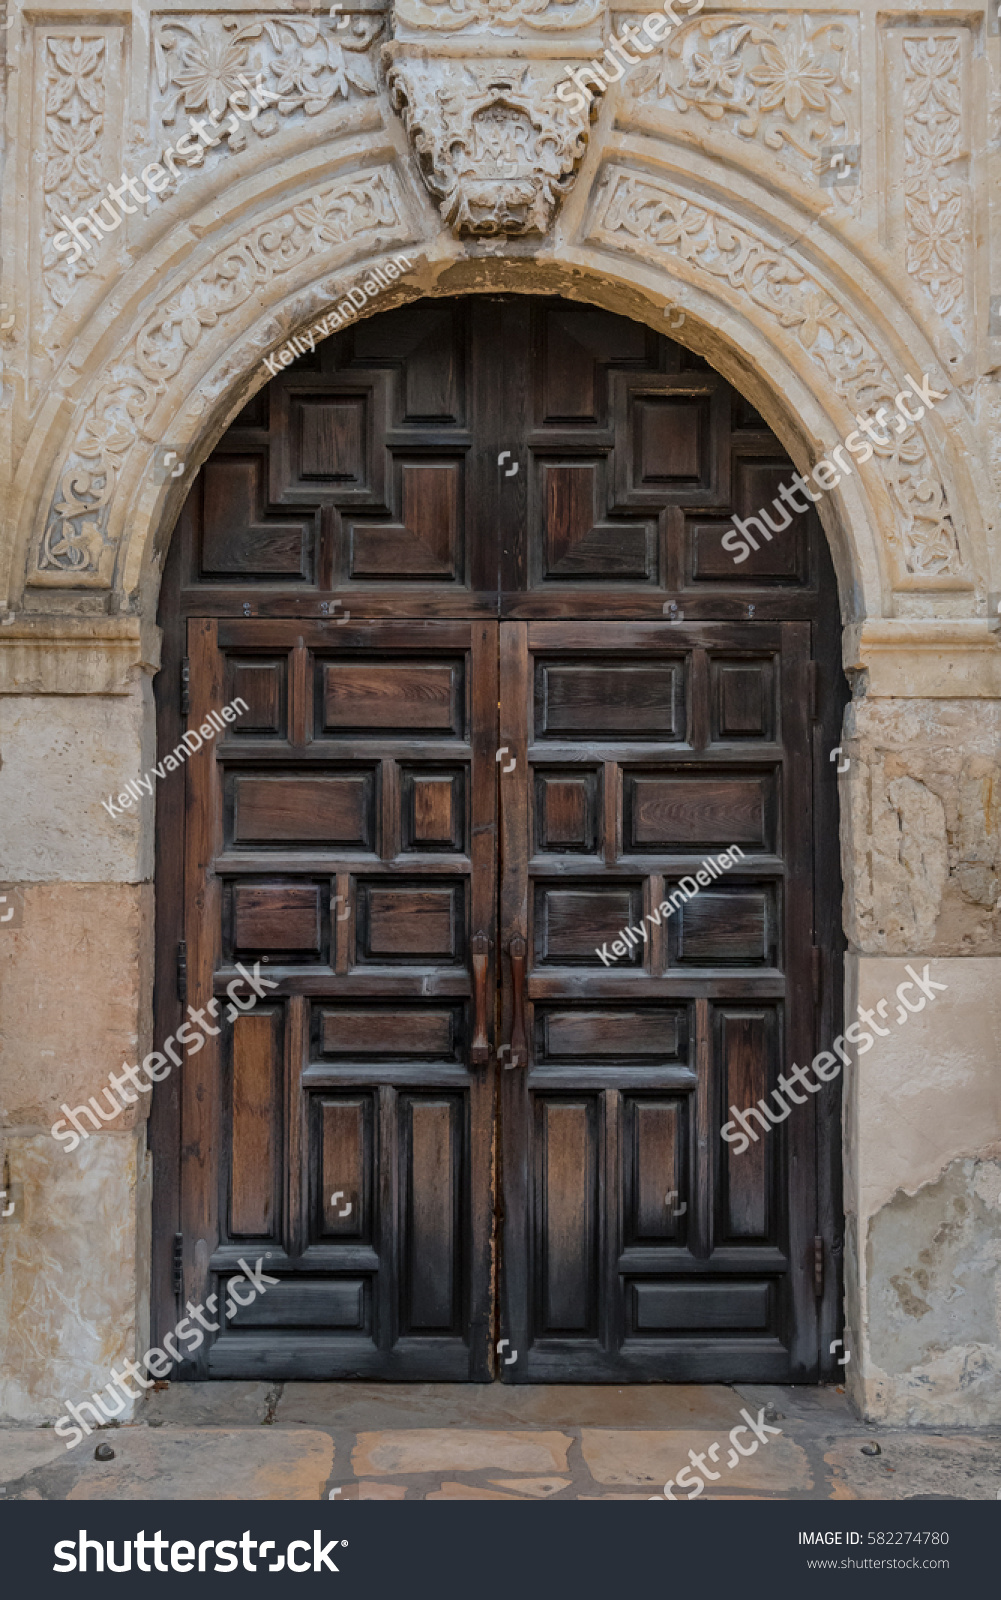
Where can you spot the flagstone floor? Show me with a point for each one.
(365, 1441)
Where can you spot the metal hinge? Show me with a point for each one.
(178, 1264)
(182, 970)
(185, 686)
(818, 1268)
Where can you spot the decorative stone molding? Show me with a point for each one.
(928, 659)
(495, 148)
(650, 217)
(787, 80)
(75, 655)
(76, 144)
(79, 546)
(926, 74)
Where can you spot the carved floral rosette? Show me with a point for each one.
(494, 146)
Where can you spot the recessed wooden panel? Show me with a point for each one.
(745, 1043)
(578, 542)
(333, 808)
(576, 344)
(239, 538)
(367, 697)
(681, 1307)
(572, 924)
(734, 927)
(670, 435)
(616, 700)
(433, 809)
(743, 700)
(330, 434)
(345, 1165)
(263, 685)
(566, 1223)
(427, 543)
(782, 556)
(655, 1189)
(276, 917)
(307, 1303)
(398, 923)
(619, 1035)
(689, 812)
(431, 1187)
(389, 1033)
(256, 1092)
(567, 812)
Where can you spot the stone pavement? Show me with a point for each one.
(366, 1441)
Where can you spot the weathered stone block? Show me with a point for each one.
(75, 996)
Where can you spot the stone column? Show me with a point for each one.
(76, 971)
(921, 837)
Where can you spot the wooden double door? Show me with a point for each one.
(502, 692)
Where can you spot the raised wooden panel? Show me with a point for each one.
(742, 700)
(433, 809)
(432, 1178)
(567, 812)
(410, 923)
(263, 684)
(746, 1045)
(333, 808)
(345, 1165)
(623, 1034)
(782, 556)
(329, 434)
(610, 699)
(724, 928)
(685, 811)
(689, 1307)
(566, 1199)
(239, 539)
(670, 438)
(256, 1097)
(389, 697)
(655, 1188)
(427, 543)
(317, 1303)
(283, 917)
(577, 542)
(571, 924)
(389, 1032)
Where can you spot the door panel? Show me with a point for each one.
(466, 557)
(340, 1128)
(629, 1222)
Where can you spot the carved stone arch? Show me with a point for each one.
(790, 323)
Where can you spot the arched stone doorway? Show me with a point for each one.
(504, 693)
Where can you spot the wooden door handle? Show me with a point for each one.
(519, 1038)
(479, 1053)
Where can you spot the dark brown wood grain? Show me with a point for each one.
(399, 609)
